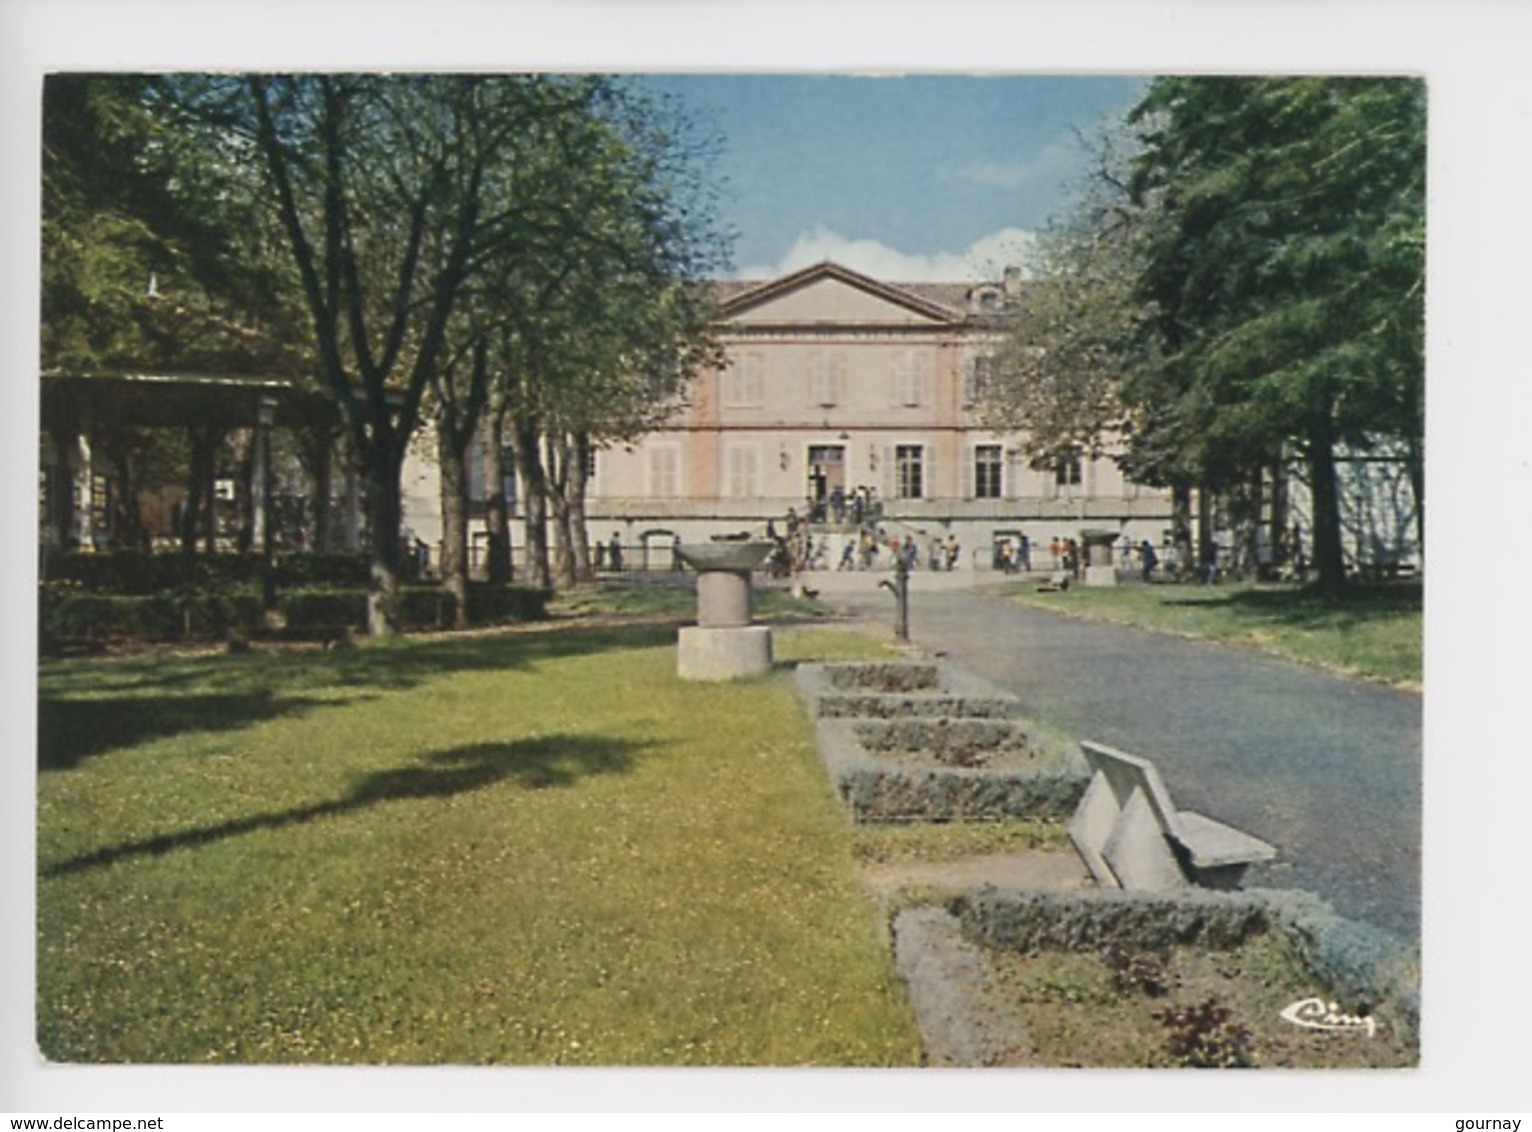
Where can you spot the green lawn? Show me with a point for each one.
(529, 847)
(1374, 631)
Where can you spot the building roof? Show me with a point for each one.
(943, 301)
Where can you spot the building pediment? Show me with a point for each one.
(828, 294)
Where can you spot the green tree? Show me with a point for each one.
(383, 185)
(1284, 258)
(600, 323)
(155, 252)
(585, 321)
(155, 257)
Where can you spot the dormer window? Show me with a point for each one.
(986, 299)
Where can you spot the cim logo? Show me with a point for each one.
(1317, 1014)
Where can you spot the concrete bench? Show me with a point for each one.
(1130, 835)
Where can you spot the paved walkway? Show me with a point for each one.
(1325, 768)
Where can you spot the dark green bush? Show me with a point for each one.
(69, 614)
(322, 612)
(140, 572)
(312, 611)
(338, 569)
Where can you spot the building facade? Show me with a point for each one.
(838, 387)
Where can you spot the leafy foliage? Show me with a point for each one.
(1057, 375)
(1284, 260)
(155, 250)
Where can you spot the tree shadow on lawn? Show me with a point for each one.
(223, 692)
(536, 764)
(72, 730)
(1308, 608)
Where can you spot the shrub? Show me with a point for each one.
(348, 569)
(1139, 972)
(1206, 1037)
(69, 614)
(140, 572)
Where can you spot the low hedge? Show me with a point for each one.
(69, 614)
(143, 573)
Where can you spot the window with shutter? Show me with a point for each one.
(823, 373)
(987, 480)
(976, 380)
(744, 471)
(664, 472)
(742, 381)
(909, 471)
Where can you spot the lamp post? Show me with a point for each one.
(900, 588)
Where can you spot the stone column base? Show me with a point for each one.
(1101, 575)
(709, 653)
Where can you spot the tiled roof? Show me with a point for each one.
(953, 296)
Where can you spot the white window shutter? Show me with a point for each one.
(928, 471)
(970, 454)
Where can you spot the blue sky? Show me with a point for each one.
(935, 177)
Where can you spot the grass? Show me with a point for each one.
(901, 842)
(524, 848)
(1374, 632)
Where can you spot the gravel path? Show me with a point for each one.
(1327, 769)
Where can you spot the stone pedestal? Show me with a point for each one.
(724, 599)
(724, 645)
(706, 652)
(1099, 570)
(1101, 575)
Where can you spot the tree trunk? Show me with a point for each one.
(1250, 523)
(1323, 486)
(534, 495)
(128, 525)
(579, 531)
(453, 464)
(1207, 549)
(557, 465)
(497, 519)
(1415, 459)
(1279, 513)
(61, 489)
(1181, 526)
(316, 449)
(385, 522)
(200, 515)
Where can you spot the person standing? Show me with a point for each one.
(614, 552)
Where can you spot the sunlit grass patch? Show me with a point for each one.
(1375, 631)
(899, 842)
(515, 849)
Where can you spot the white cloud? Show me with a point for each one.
(986, 258)
(1054, 163)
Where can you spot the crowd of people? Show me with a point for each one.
(871, 546)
